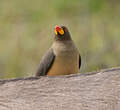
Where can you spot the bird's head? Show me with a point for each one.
(61, 33)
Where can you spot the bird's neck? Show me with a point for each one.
(65, 37)
(63, 47)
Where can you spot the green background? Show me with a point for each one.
(27, 30)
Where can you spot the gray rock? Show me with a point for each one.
(88, 91)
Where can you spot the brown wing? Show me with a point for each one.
(46, 63)
(79, 61)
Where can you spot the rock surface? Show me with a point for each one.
(88, 91)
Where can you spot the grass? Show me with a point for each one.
(26, 32)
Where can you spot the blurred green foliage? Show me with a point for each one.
(26, 32)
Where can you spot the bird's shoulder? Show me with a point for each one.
(46, 62)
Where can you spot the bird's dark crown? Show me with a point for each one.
(65, 36)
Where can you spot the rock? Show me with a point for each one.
(87, 91)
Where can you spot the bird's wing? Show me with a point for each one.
(46, 63)
(79, 61)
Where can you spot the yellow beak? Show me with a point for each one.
(59, 29)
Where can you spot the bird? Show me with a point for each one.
(62, 58)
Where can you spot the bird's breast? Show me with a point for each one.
(66, 60)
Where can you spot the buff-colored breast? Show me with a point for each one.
(66, 60)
